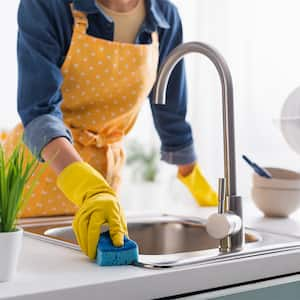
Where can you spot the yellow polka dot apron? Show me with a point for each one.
(105, 83)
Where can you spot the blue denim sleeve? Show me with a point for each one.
(39, 53)
(177, 146)
(41, 130)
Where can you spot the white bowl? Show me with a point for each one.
(279, 196)
(276, 203)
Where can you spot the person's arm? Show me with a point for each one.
(41, 50)
(185, 170)
(66, 154)
(40, 54)
(177, 145)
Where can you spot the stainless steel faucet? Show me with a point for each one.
(227, 225)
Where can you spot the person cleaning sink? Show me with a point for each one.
(85, 68)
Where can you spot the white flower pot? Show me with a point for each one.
(10, 249)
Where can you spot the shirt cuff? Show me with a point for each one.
(184, 156)
(41, 130)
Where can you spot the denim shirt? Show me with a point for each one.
(44, 36)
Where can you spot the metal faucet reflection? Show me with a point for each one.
(227, 224)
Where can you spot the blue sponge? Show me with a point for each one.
(109, 255)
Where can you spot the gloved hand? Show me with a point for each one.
(98, 204)
(199, 187)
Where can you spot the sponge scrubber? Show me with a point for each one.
(109, 255)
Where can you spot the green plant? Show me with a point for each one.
(144, 161)
(15, 172)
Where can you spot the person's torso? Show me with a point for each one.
(105, 83)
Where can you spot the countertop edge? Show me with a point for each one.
(180, 281)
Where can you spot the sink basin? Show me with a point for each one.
(168, 241)
(159, 235)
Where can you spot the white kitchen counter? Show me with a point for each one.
(52, 272)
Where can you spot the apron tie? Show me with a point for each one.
(89, 138)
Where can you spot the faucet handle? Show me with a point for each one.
(223, 223)
(220, 226)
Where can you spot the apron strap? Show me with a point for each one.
(81, 22)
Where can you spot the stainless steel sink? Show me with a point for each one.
(160, 235)
(167, 241)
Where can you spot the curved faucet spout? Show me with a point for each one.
(229, 202)
(227, 95)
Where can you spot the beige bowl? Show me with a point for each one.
(279, 196)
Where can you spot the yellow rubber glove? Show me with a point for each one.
(98, 204)
(199, 187)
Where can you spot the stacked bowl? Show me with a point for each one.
(279, 196)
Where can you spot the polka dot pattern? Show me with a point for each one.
(105, 84)
(103, 73)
